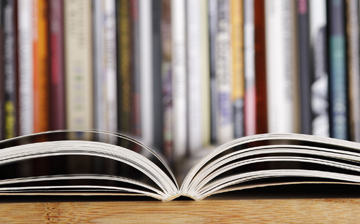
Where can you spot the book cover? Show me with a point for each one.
(352, 39)
(338, 90)
(78, 65)
(320, 124)
(304, 65)
(25, 54)
(57, 65)
(238, 85)
(9, 66)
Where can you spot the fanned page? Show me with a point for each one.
(52, 163)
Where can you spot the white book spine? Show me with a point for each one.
(319, 87)
(98, 60)
(78, 64)
(26, 98)
(205, 72)
(110, 65)
(194, 74)
(146, 72)
(223, 60)
(179, 76)
(280, 66)
(249, 66)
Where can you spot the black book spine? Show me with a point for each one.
(337, 70)
(157, 79)
(304, 65)
(2, 118)
(9, 55)
(213, 86)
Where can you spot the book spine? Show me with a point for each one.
(125, 66)
(260, 67)
(281, 66)
(213, 4)
(26, 98)
(194, 91)
(78, 54)
(223, 74)
(136, 127)
(352, 29)
(319, 86)
(249, 68)
(9, 69)
(98, 65)
(167, 74)
(2, 73)
(110, 65)
(146, 72)
(158, 113)
(237, 42)
(118, 67)
(179, 76)
(57, 73)
(40, 66)
(205, 73)
(337, 70)
(304, 65)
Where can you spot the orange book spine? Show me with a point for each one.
(40, 40)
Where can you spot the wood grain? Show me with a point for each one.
(220, 211)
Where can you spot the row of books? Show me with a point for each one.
(180, 75)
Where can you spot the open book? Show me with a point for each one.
(32, 165)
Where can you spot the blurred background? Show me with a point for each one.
(180, 75)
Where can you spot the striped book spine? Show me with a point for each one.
(237, 43)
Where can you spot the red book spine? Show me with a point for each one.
(57, 75)
(260, 67)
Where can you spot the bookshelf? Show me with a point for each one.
(179, 93)
(208, 211)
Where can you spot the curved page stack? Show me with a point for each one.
(51, 164)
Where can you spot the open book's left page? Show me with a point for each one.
(63, 162)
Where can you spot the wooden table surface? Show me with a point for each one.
(336, 210)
